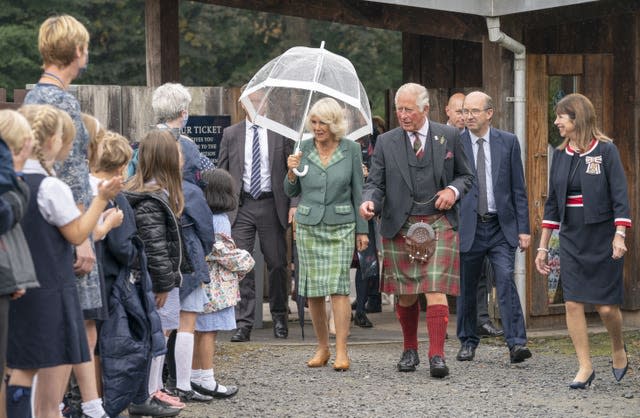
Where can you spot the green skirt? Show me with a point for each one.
(325, 253)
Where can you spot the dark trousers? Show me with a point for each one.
(368, 285)
(4, 327)
(485, 282)
(489, 241)
(260, 216)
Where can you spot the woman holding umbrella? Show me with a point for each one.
(327, 223)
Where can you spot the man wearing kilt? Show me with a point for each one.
(418, 173)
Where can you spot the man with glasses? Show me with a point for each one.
(418, 173)
(485, 328)
(494, 221)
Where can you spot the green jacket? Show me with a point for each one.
(329, 194)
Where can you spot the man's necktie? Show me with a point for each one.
(417, 145)
(255, 165)
(483, 206)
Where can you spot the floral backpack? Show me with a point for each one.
(227, 266)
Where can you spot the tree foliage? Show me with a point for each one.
(219, 46)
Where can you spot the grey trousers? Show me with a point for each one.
(259, 216)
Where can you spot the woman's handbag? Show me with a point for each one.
(16, 266)
(421, 242)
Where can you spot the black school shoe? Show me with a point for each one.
(215, 393)
(152, 408)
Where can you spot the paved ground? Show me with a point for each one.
(275, 382)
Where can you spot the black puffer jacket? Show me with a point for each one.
(161, 233)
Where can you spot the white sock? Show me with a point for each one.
(93, 408)
(196, 375)
(207, 380)
(184, 356)
(155, 374)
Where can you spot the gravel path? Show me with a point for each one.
(275, 382)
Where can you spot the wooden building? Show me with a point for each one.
(562, 46)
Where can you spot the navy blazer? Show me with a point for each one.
(509, 190)
(604, 194)
(389, 184)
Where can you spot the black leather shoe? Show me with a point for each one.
(489, 330)
(242, 335)
(519, 353)
(280, 326)
(408, 361)
(192, 396)
(362, 321)
(466, 353)
(437, 367)
(215, 393)
(151, 407)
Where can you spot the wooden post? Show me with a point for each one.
(162, 41)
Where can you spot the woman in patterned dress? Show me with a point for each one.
(63, 43)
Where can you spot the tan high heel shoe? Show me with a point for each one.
(341, 365)
(320, 359)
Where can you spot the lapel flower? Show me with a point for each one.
(449, 155)
(441, 139)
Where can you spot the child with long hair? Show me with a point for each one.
(49, 316)
(222, 292)
(156, 196)
(198, 236)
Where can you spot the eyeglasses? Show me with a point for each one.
(474, 112)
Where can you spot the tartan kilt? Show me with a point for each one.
(325, 253)
(400, 276)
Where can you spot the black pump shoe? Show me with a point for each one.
(583, 385)
(618, 374)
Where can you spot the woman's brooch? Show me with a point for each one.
(593, 164)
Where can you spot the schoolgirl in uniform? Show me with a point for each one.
(49, 316)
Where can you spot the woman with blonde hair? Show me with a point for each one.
(63, 43)
(327, 224)
(588, 202)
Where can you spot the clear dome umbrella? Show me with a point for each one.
(280, 94)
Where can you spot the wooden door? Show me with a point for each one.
(549, 78)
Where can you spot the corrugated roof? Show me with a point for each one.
(485, 7)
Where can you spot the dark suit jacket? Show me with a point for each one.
(509, 190)
(231, 158)
(389, 183)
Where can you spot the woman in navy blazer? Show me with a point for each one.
(588, 198)
(327, 223)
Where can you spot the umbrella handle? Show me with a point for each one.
(301, 173)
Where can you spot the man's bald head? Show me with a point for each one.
(454, 111)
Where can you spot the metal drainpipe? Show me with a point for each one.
(518, 99)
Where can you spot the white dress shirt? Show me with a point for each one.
(491, 201)
(265, 170)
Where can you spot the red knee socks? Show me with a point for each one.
(408, 317)
(437, 321)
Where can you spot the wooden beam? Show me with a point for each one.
(414, 20)
(162, 41)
